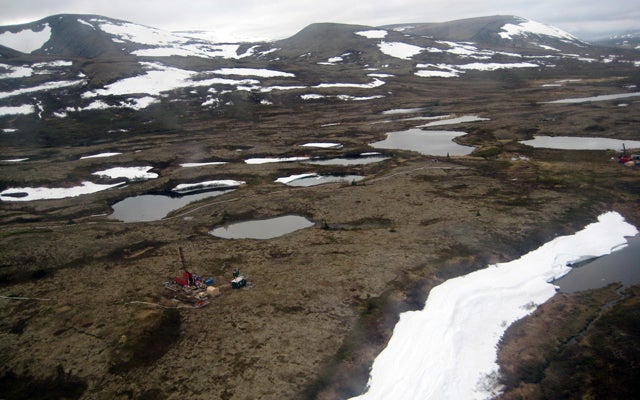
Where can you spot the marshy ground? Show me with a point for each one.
(324, 299)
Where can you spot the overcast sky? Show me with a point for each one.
(277, 19)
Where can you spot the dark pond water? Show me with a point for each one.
(153, 207)
(263, 228)
(620, 266)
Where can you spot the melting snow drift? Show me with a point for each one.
(44, 193)
(448, 349)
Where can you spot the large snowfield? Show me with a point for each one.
(448, 349)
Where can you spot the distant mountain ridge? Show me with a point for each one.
(65, 65)
(628, 40)
(499, 30)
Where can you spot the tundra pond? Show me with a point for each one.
(263, 228)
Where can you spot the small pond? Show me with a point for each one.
(317, 179)
(580, 143)
(620, 266)
(435, 143)
(263, 228)
(153, 207)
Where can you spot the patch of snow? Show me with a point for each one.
(453, 121)
(15, 160)
(207, 185)
(322, 145)
(268, 160)
(197, 50)
(100, 155)
(437, 71)
(211, 102)
(526, 28)
(138, 33)
(332, 61)
(373, 34)
(47, 86)
(363, 158)
(83, 22)
(402, 111)
(138, 103)
(16, 71)
(290, 178)
(264, 73)
(53, 64)
(343, 97)
(312, 96)
(130, 173)
(347, 97)
(465, 49)
(159, 78)
(496, 66)
(400, 50)
(45, 193)
(97, 105)
(17, 110)
(376, 83)
(429, 73)
(375, 75)
(26, 40)
(267, 89)
(547, 47)
(448, 349)
(134, 103)
(201, 164)
(167, 44)
(436, 117)
(604, 97)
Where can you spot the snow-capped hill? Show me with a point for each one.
(74, 35)
(59, 35)
(505, 31)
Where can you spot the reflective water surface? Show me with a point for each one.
(153, 207)
(263, 228)
(579, 143)
(435, 143)
(620, 266)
